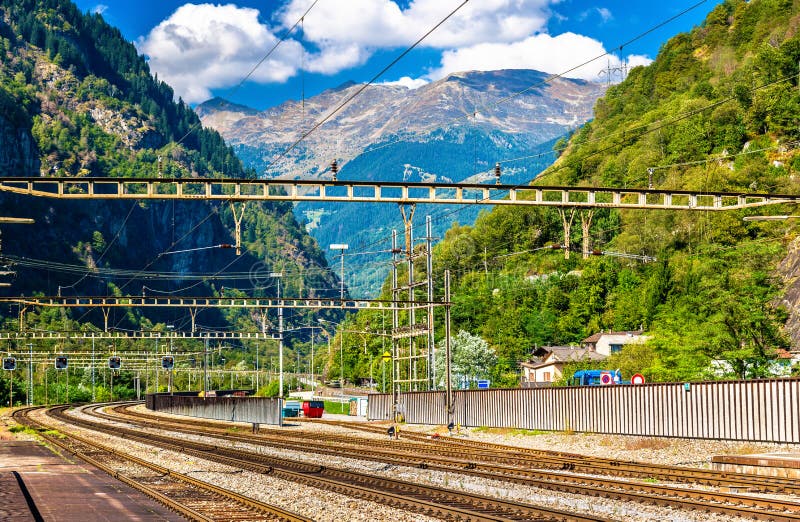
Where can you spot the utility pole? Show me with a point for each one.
(278, 275)
(30, 374)
(447, 351)
(94, 399)
(205, 368)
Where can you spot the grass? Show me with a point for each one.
(649, 443)
(19, 428)
(508, 431)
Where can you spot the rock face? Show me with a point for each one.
(18, 153)
(789, 271)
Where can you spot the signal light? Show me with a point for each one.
(9, 363)
(167, 362)
(114, 362)
(61, 362)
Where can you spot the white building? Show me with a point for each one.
(607, 343)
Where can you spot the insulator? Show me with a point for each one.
(596, 253)
(334, 169)
(497, 173)
(555, 246)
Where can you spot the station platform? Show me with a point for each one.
(66, 490)
(780, 465)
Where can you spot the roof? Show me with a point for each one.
(596, 337)
(564, 354)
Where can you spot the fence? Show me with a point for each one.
(256, 410)
(757, 410)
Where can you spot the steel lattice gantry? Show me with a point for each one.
(212, 302)
(212, 335)
(385, 192)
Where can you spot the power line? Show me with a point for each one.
(252, 71)
(370, 82)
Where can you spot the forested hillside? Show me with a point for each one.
(718, 110)
(78, 100)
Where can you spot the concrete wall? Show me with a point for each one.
(258, 410)
(758, 410)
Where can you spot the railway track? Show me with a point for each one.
(426, 453)
(432, 501)
(193, 498)
(592, 465)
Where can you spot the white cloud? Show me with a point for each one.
(202, 47)
(550, 54)
(604, 13)
(100, 9)
(377, 24)
(407, 81)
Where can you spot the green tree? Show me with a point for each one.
(472, 358)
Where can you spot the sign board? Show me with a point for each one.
(9, 363)
(637, 378)
(483, 384)
(386, 356)
(606, 378)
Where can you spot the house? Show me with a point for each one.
(606, 343)
(550, 363)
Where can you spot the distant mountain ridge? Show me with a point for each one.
(536, 106)
(451, 130)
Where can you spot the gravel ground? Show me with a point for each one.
(324, 506)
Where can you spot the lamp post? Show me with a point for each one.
(278, 275)
(342, 247)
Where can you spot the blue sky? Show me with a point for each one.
(205, 50)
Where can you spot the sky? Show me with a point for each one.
(208, 49)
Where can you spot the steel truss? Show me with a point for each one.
(212, 302)
(134, 335)
(385, 192)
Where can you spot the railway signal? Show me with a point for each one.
(9, 363)
(114, 362)
(61, 362)
(167, 362)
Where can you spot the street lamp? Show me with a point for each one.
(342, 247)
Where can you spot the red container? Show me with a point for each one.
(313, 409)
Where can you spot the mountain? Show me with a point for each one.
(79, 101)
(717, 110)
(451, 130)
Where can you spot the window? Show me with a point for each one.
(546, 376)
(615, 348)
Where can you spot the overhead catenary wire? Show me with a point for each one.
(253, 69)
(363, 87)
(550, 79)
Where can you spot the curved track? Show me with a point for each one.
(516, 465)
(195, 499)
(429, 500)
